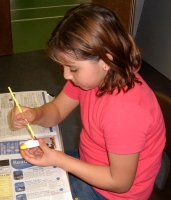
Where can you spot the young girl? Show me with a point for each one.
(123, 133)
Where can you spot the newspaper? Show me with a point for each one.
(20, 180)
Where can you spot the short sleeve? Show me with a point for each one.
(125, 128)
(71, 90)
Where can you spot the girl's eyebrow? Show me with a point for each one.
(69, 65)
(66, 64)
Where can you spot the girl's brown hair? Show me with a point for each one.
(92, 32)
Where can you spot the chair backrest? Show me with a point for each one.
(165, 104)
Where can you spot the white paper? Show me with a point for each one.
(20, 180)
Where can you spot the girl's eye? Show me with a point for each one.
(73, 70)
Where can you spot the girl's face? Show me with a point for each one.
(86, 74)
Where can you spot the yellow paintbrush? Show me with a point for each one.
(19, 108)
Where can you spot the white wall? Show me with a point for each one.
(154, 35)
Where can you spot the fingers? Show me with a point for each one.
(29, 154)
(33, 158)
(40, 156)
(35, 151)
(12, 119)
(43, 146)
(17, 119)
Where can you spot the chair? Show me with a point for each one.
(165, 104)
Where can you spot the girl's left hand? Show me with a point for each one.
(43, 155)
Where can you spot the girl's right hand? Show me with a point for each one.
(19, 120)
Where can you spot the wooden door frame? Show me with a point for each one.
(6, 46)
(125, 10)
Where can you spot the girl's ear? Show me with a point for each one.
(105, 66)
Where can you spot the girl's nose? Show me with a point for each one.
(67, 73)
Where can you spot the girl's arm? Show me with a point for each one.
(118, 177)
(57, 110)
(48, 115)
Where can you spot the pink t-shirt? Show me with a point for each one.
(122, 123)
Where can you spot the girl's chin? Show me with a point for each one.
(83, 88)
